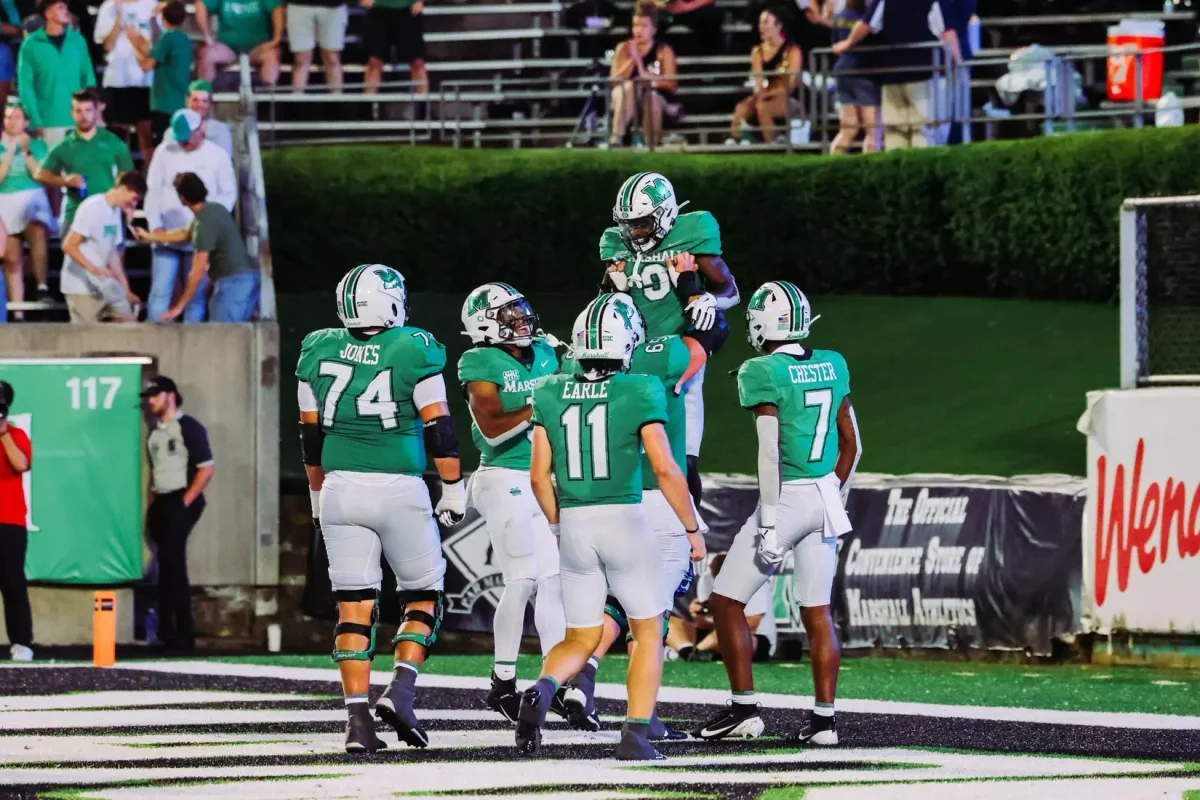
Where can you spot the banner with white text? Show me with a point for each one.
(1141, 531)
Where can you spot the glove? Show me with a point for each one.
(686, 583)
(703, 311)
(452, 507)
(555, 530)
(769, 548)
(618, 279)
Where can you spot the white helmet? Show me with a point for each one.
(496, 313)
(777, 312)
(635, 316)
(372, 296)
(645, 211)
(605, 331)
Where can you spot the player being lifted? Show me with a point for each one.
(673, 360)
(372, 401)
(498, 376)
(808, 439)
(590, 429)
(642, 251)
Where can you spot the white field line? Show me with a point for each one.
(48, 702)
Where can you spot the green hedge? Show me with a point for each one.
(1035, 219)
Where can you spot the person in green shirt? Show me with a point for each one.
(171, 60)
(88, 160)
(52, 65)
(219, 251)
(24, 209)
(241, 28)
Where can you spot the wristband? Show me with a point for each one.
(766, 516)
(693, 530)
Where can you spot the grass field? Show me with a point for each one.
(967, 386)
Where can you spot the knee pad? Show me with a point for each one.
(695, 486)
(434, 620)
(355, 596)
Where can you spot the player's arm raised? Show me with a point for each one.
(672, 484)
(497, 425)
(766, 422)
(441, 442)
(849, 444)
(702, 306)
(540, 462)
(312, 439)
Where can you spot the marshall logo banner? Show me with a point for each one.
(933, 561)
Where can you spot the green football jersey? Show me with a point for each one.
(807, 390)
(696, 233)
(595, 432)
(364, 389)
(514, 380)
(665, 358)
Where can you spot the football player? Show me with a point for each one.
(808, 447)
(642, 251)
(372, 402)
(673, 360)
(590, 430)
(497, 375)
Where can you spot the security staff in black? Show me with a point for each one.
(181, 465)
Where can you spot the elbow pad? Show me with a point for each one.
(312, 440)
(440, 438)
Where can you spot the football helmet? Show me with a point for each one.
(635, 316)
(645, 211)
(777, 312)
(603, 332)
(372, 296)
(496, 313)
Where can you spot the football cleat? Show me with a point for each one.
(635, 747)
(395, 707)
(817, 730)
(662, 732)
(360, 731)
(531, 718)
(737, 720)
(558, 703)
(578, 715)
(504, 698)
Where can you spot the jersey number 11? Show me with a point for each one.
(596, 422)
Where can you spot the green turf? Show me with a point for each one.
(783, 793)
(1070, 687)
(968, 386)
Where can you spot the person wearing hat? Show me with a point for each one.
(220, 253)
(171, 60)
(52, 65)
(16, 457)
(185, 150)
(199, 99)
(181, 466)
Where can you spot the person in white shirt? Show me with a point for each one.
(185, 150)
(199, 99)
(93, 273)
(126, 84)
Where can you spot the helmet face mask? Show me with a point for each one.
(645, 211)
(517, 322)
(496, 313)
(778, 312)
(372, 296)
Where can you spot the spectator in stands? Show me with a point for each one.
(219, 249)
(87, 161)
(907, 88)
(644, 77)
(10, 35)
(397, 25)
(126, 84)
(857, 95)
(317, 23)
(24, 209)
(16, 457)
(171, 60)
(186, 150)
(253, 27)
(199, 99)
(53, 66)
(958, 14)
(703, 18)
(775, 64)
(93, 272)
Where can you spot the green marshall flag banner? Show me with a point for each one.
(85, 487)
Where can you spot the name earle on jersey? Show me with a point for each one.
(584, 391)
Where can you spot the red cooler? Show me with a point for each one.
(1123, 40)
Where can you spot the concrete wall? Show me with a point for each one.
(229, 377)
(63, 616)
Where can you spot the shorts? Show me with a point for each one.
(18, 209)
(364, 516)
(110, 306)
(800, 527)
(604, 550)
(316, 26)
(856, 90)
(672, 543)
(126, 105)
(522, 544)
(397, 28)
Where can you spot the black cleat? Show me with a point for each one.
(504, 698)
(530, 720)
(558, 703)
(360, 731)
(662, 732)
(395, 707)
(578, 715)
(737, 720)
(636, 747)
(817, 731)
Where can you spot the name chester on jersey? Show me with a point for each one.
(812, 373)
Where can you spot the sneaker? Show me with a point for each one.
(737, 720)
(504, 698)
(360, 731)
(636, 747)
(44, 295)
(19, 652)
(731, 142)
(395, 708)
(817, 730)
(531, 718)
